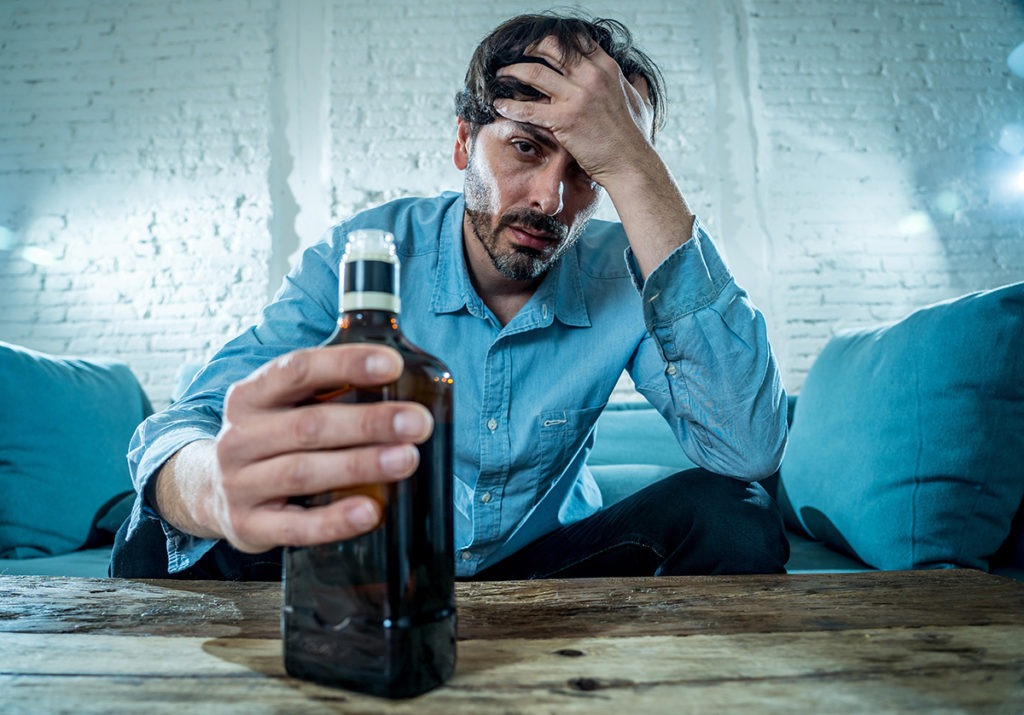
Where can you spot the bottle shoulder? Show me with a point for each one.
(423, 373)
(413, 353)
(383, 330)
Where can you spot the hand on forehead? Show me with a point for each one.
(551, 52)
(581, 74)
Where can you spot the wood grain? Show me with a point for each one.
(874, 642)
(684, 605)
(851, 671)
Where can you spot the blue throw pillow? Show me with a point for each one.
(907, 445)
(635, 433)
(633, 447)
(65, 424)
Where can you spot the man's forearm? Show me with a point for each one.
(185, 495)
(653, 212)
(713, 352)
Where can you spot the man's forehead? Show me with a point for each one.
(505, 127)
(508, 127)
(540, 134)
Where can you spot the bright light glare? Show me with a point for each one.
(1016, 60)
(948, 203)
(1019, 181)
(916, 225)
(38, 256)
(7, 239)
(1011, 139)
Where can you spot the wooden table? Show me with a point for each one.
(869, 642)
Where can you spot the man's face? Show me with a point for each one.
(527, 200)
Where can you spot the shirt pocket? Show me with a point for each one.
(561, 437)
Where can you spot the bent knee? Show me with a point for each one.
(728, 525)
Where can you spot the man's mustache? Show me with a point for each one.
(535, 221)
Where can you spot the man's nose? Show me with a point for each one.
(548, 188)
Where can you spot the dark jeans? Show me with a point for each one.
(145, 556)
(693, 522)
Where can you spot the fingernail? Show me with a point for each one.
(364, 515)
(411, 424)
(397, 460)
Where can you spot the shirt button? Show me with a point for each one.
(671, 369)
(486, 497)
(492, 424)
(466, 555)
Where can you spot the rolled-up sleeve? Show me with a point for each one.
(155, 441)
(708, 365)
(296, 318)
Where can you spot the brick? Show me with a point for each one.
(137, 127)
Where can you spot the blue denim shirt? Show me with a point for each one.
(527, 394)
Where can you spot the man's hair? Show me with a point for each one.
(577, 37)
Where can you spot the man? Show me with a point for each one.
(536, 310)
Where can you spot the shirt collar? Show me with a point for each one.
(452, 287)
(562, 288)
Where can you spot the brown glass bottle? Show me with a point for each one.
(376, 613)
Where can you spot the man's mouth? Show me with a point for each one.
(532, 238)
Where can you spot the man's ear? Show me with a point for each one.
(463, 138)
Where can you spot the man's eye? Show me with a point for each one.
(524, 147)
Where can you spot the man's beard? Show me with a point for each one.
(517, 263)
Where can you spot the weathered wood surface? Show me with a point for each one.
(930, 641)
(541, 609)
(965, 668)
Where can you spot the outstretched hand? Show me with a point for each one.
(273, 447)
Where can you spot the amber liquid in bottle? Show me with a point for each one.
(376, 613)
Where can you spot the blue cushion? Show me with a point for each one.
(635, 433)
(907, 443)
(618, 481)
(634, 447)
(65, 424)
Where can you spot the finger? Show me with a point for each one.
(321, 426)
(305, 474)
(549, 49)
(541, 77)
(293, 525)
(298, 375)
(518, 111)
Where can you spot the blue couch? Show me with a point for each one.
(906, 445)
(635, 447)
(65, 423)
(905, 449)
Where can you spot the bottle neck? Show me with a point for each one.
(385, 320)
(369, 286)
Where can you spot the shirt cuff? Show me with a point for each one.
(689, 280)
(183, 550)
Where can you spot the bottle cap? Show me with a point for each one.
(370, 244)
(369, 272)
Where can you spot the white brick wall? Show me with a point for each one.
(873, 113)
(171, 159)
(134, 149)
